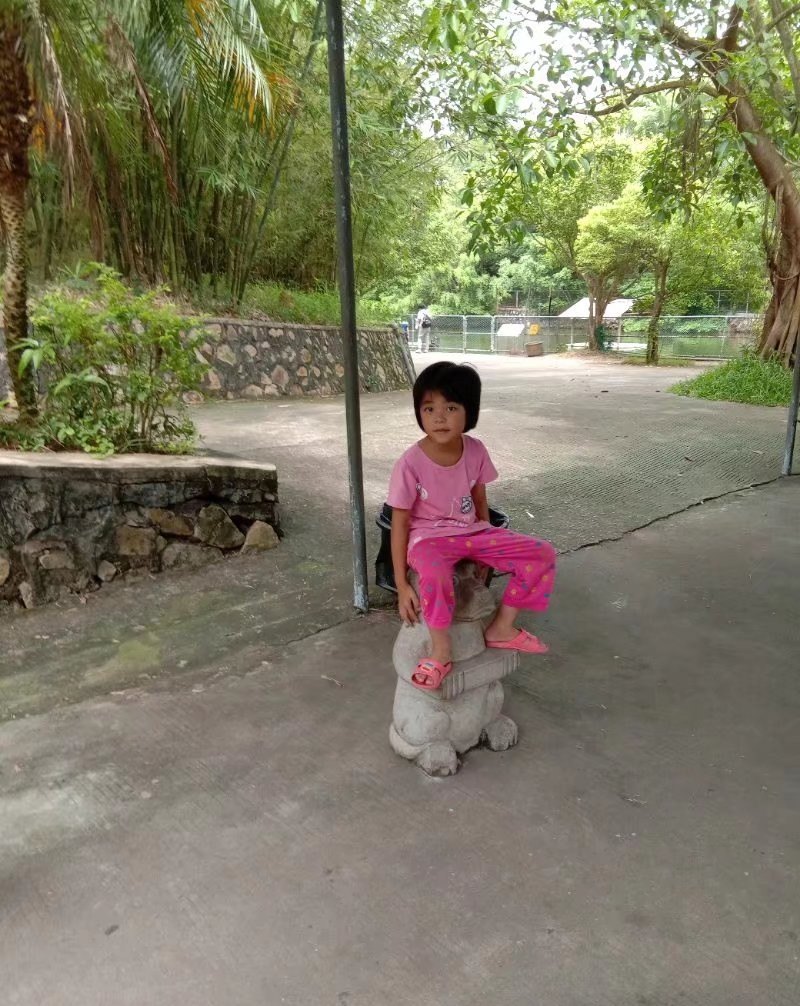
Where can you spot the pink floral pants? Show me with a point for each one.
(531, 562)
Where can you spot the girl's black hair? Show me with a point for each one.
(457, 382)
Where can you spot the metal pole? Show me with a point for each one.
(791, 427)
(347, 296)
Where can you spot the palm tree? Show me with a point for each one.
(202, 56)
(16, 120)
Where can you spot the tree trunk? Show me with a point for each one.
(782, 318)
(651, 357)
(782, 321)
(655, 317)
(51, 211)
(15, 128)
(215, 241)
(591, 333)
(599, 299)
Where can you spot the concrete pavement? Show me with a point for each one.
(191, 811)
(252, 839)
(587, 451)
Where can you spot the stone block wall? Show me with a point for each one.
(266, 359)
(70, 523)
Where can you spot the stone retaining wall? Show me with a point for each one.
(266, 359)
(69, 523)
(258, 359)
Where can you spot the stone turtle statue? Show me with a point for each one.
(434, 728)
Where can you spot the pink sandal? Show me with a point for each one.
(430, 674)
(523, 642)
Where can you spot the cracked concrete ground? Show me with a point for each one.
(586, 451)
(191, 811)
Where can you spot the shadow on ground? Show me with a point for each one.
(250, 838)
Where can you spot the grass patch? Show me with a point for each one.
(663, 361)
(310, 307)
(749, 380)
(305, 307)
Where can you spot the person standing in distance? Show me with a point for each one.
(424, 321)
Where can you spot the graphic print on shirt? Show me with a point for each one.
(458, 506)
(422, 492)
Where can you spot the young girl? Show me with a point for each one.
(441, 515)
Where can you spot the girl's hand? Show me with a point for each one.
(408, 604)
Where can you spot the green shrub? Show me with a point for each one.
(314, 307)
(113, 365)
(750, 379)
(305, 307)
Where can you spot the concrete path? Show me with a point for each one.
(586, 451)
(251, 840)
(190, 813)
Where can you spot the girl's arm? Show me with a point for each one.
(407, 600)
(482, 513)
(480, 501)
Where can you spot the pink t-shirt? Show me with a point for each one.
(440, 497)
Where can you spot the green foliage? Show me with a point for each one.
(543, 288)
(460, 288)
(728, 83)
(440, 273)
(397, 189)
(751, 380)
(613, 246)
(615, 241)
(508, 206)
(201, 132)
(315, 307)
(114, 364)
(691, 327)
(603, 337)
(718, 248)
(309, 307)
(201, 151)
(141, 105)
(593, 59)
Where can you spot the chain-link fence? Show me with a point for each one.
(447, 333)
(486, 333)
(545, 334)
(683, 337)
(457, 333)
(710, 337)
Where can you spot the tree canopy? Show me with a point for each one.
(498, 151)
(733, 75)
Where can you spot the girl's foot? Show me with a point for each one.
(514, 639)
(429, 673)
